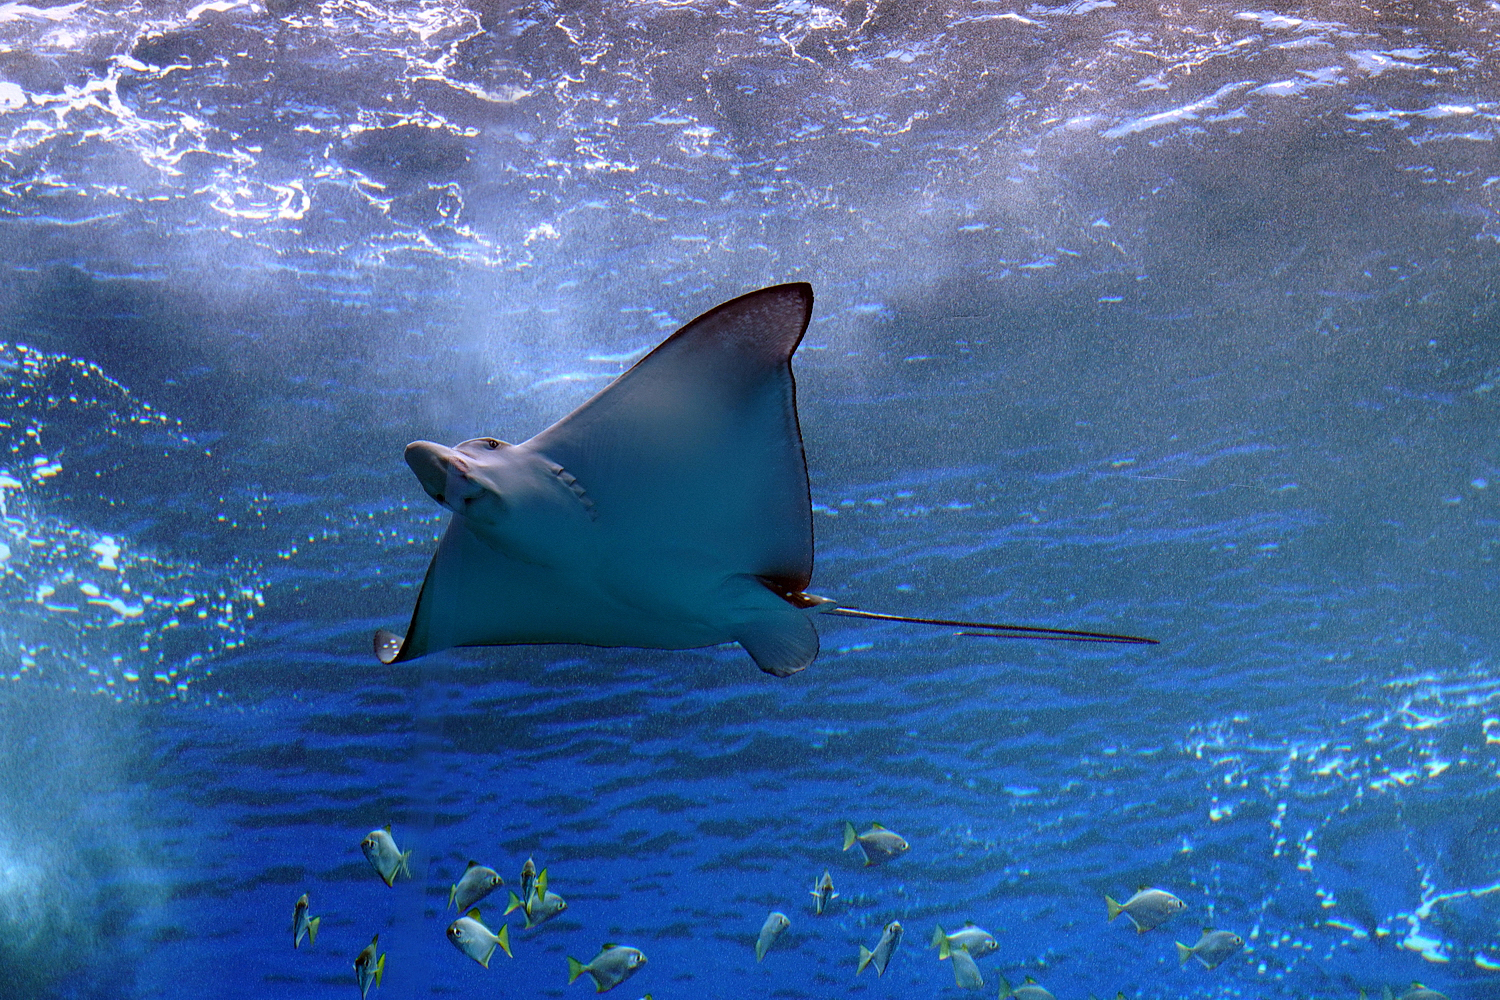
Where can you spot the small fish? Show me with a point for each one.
(541, 910)
(367, 969)
(1147, 909)
(769, 932)
(528, 879)
(1213, 947)
(476, 883)
(822, 892)
(877, 843)
(1029, 989)
(475, 940)
(890, 937)
(965, 970)
(387, 860)
(1417, 992)
(614, 964)
(302, 925)
(977, 940)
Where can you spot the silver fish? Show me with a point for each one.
(890, 937)
(476, 940)
(877, 843)
(542, 908)
(977, 940)
(1147, 909)
(387, 860)
(1028, 990)
(965, 970)
(368, 969)
(1417, 992)
(1212, 948)
(476, 883)
(529, 879)
(823, 894)
(613, 965)
(302, 925)
(769, 932)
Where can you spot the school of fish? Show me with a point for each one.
(1147, 909)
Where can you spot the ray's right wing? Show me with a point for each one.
(699, 444)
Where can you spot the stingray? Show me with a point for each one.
(670, 511)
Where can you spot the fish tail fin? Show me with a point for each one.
(403, 867)
(760, 950)
(504, 941)
(575, 969)
(1006, 990)
(515, 903)
(944, 949)
(938, 937)
(541, 884)
(452, 892)
(1115, 909)
(848, 835)
(312, 930)
(1183, 953)
(379, 970)
(865, 955)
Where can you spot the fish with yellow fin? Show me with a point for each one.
(476, 883)
(1029, 989)
(1147, 909)
(542, 906)
(384, 856)
(368, 970)
(877, 843)
(823, 893)
(529, 878)
(304, 925)
(890, 937)
(977, 940)
(470, 936)
(613, 965)
(1212, 948)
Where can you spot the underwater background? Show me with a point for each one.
(1171, 319)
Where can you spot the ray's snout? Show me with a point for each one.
(444, 474)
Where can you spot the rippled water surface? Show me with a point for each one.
(1177, 320)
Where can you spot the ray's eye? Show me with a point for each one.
(491, 443)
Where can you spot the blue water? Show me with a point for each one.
(1130, 317)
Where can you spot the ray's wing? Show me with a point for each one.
(470, 587)
(698, 443)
